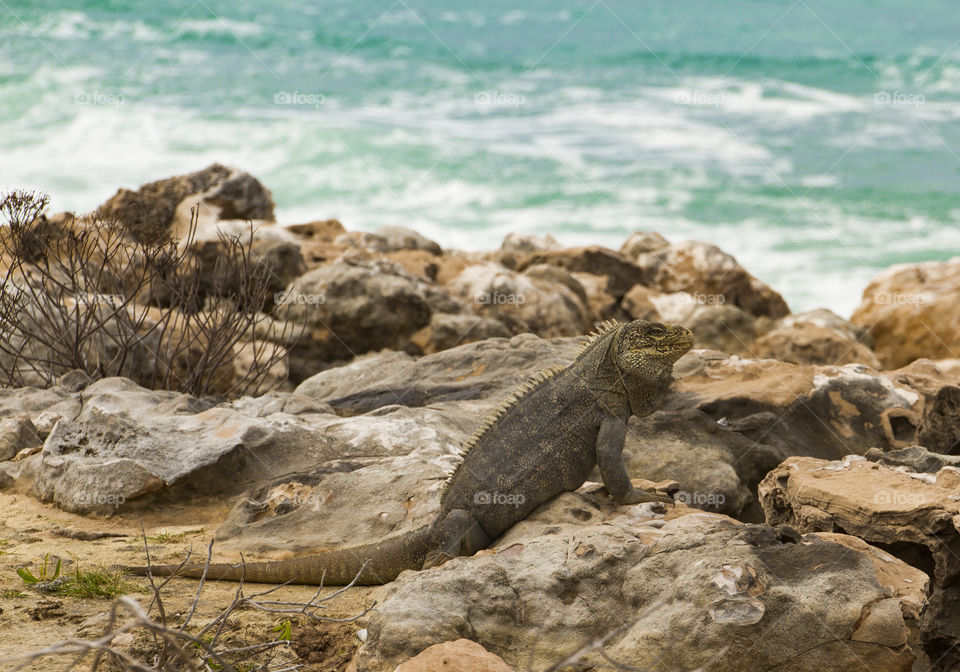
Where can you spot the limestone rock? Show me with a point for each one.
(352, 308)
(913, 311)
(16, 434)
(705, 270)
(807, 343)
(127, 442)
(448, 331)
(222, 192)
(748, 600)
(486, 370)
(523, 303)
(640, 242)
(620, 272)
(459, 656)
(914, 517)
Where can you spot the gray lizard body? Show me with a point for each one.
(542, 441)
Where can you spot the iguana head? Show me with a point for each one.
(643, 346)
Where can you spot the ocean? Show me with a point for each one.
(818, 142)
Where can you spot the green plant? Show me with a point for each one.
(30, 578)
(284, 630)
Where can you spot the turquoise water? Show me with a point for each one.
(816, 141)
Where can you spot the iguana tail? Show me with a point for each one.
(380, 563)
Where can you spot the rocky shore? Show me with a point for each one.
(814, 458)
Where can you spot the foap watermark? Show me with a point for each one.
(710, 500)
(281, 298)
(299, 98)
(499, 299)
(699, 98)
(899, 299)
(483, 497)
(709, 299)
(895, 497)
(98, 98)
(898, 98)
(99, 499)
(499, 98)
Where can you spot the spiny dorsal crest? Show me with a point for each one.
(598, 333)
(531, 384)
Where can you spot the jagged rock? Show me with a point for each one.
(401, 238)
(603, 305)
(808, 343)
(748, 600)
(819, 411)
(385, 477)
(716, 467)
(640, 242)
(705, 270)
(638, 303)
(16, 434)
(459, 656)
(523, 303)
(127, 442)
(716, 326)
(915, 458)
(448, 331)
(158, 209)
(487, 370)
(913, 311)
(518, 246)
(620, 272)
(914, 517)
(940, 425)
(352, 308)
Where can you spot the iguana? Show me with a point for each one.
(543, 440)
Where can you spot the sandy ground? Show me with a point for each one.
(30, 620)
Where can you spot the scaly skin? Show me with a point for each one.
(543, 441)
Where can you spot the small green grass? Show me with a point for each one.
(12, 593)
(96, 583)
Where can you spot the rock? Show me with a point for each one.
(913, 517)
(127, 442)
(459, 656)
(750, 601)
(913, 311)
(940, 426)
(915, 458)
(402, 238)
(524, 303)
(383, 476)
(221, 193)
(16, 434)
(818, 411)
(716, 326)
(620, 272)
(710, 274)
(518, 246)
(809, 343)
(716, 467)
(641, 242)
(349, 309)
(448, 331)
(603, 306)
(486, 370)
(638, 303)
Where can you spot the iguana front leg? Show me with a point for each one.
(610, 440)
